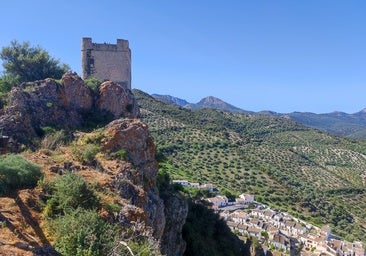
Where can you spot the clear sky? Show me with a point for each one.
(284, 56)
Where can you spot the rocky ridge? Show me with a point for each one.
(65, 104)
(137, 182)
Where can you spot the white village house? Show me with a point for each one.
(247, 198)
(218, 201)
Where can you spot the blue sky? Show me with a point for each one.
(281, 55)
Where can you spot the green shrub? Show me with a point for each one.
(120, 155)
(93, 83)
(112, 207)
(48, 129)
(163, 180)
(82, 232)
(85, 153)
(7, 82)
(69, 192)
(16, 173)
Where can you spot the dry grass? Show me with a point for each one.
(25, 227)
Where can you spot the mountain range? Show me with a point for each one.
(337, 123)
(313, 175)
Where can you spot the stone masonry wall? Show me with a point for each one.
(107, 61)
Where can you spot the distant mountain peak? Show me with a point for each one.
(170, 100)
(216, 103)
(211, 100)
(207, 102)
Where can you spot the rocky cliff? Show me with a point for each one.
(66, 104)
(137, 183)
(176, 211)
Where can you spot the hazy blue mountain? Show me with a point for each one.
(170, 100)
(216, 103)
(337, 123)
(208, 102)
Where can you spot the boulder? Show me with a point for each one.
(77, 94)
(117, 100)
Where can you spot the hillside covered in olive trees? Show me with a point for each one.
(312, 175)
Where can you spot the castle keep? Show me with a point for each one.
(107, 61)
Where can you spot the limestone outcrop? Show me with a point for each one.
(137, 184)
(65, 104)
(77, 94)
(117, 100)
(163, 218)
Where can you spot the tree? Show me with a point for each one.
(25, 63)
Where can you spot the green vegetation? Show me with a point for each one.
(71, 209)
(96, 118)
(86, 148)
(93, 83)
(17, 173)
(82, 232)
(69, 192)
(71, 206)
(85, 153)
(312, 175)
(25, 63)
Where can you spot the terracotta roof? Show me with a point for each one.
(240, 214)
(231, 224)
(254, 230)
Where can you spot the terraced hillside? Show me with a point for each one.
(313, 175)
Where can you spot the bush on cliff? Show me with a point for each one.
(69, 192)
(93, 83)
(17, 173)
(85, 153)
(76, 227)
(83, 232)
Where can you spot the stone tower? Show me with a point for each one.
(107, 61)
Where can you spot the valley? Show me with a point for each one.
(314, 176)
(337, 123)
